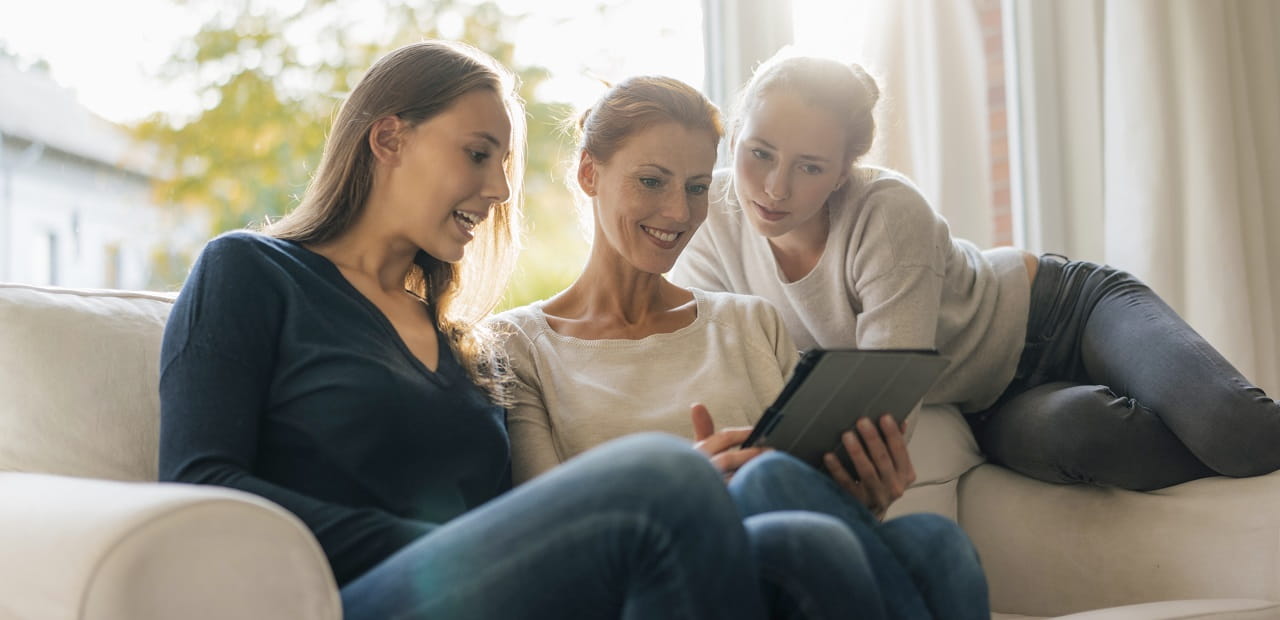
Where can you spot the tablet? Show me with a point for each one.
(832, 388)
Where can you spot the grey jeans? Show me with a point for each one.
(1114, 388)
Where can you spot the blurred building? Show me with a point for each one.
(76, 204)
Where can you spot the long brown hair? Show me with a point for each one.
(415, 83)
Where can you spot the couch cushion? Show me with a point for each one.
(78, 381)
(1202, 609)
(941, 445)
(942, 449)
(1052, 549)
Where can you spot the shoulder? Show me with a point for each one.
(257, 271)
(737, 310)
(242, 249)
(237, 241)
(523, 319)
(890, 224)
(752, 322)
(890, 197)
(518, 328)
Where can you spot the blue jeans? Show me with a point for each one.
(924, 565)
(811, 568)
(640, 527)
(1114, 388)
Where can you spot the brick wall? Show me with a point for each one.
(993, 38)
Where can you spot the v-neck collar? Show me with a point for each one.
(444, 353)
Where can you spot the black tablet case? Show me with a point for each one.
(830, 389)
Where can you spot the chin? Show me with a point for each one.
(765, 229)
(446, 255)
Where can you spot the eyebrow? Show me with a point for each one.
(660, 169)
(766, 144)
(487, 137)
(670, 173)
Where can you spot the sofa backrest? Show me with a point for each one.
(79, 372)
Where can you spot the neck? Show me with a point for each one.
(378, 255)
(612, 291)
(799, 250)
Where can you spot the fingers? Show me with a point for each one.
(723, 440)
(869, 476)
(895, 436)
(876, 447)
(730, 461)
(842, 478)
(880, 459)
(703, 425)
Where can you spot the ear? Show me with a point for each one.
(587, 173)
(386, 139)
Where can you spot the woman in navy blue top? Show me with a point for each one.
(334, 365)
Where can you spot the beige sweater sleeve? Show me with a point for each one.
(528, 420)
(898, 269)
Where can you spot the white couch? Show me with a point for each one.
(85, 532)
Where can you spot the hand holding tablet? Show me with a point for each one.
(831, 389)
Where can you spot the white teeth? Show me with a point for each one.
(469, 220)
(665, 237)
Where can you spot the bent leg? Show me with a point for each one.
(1065, 432)
(775, 481)
(1139, 346)
(812, 567)
(942, 561)
(640, 527)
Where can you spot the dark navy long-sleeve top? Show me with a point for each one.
(279, 378)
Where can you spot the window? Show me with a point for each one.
(113, 264)
(564, 50)
(44, 259)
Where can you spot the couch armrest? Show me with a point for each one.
(75, 548)
(1054, 549)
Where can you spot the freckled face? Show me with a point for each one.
(651, 195)
(788, 158)
(450, 173)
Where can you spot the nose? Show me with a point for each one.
(777, 185)
(497, 187)
(677, 210)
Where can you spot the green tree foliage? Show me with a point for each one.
(271, 81)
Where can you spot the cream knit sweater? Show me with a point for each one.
(891, 277)
(572, 394)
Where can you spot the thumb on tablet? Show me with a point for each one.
(703, 426)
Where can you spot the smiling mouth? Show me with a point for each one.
(665, 238)
(468, 219)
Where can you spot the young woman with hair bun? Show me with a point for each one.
(1068, 371)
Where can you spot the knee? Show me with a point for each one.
(770, 470)
(782, 530)
(1241, 441)
(785, 539)
(657, 464)
(778, 481)
(939, 539)
(1064, 425)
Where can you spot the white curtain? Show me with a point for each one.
(932, 123)
(738, 35)
(1148, 137)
